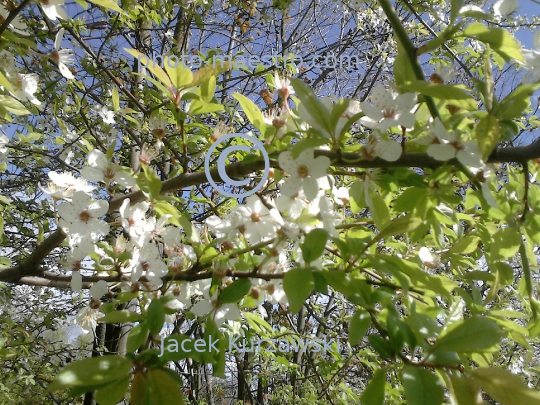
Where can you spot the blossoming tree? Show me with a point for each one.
(391, 217)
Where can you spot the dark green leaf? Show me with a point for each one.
(298, 284)
(505, 387)
(475, 334)
(155, 317)
(91, 371)
(163, 388)
(374, 392)
(314, 244)
(359, 326)
(422, 387)
(235, 291)
(113, 393)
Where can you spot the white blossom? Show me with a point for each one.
(52, 9)
(388, 110)
(376, 146)
(305, 171)
(451, 146)
(62, 57)
(218, 312)
(81, 216)
(100, 169)
(105, 114)
(504, 7)
(25, 87)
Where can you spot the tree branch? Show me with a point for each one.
(31, 266)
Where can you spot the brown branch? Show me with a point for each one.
(31, 266)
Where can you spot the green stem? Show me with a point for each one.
(409, 49)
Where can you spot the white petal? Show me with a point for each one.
(304, 158)
(311, 188)
(441, 152)
(287, 163)
(97, 159)
(504, 7)
(64, 70)
(425, 255)
(319, 166)
(76, 281)
(389, 150)
(92, 174)
(202, 308)
(99, 289)
(58, 39)
(291, 186)
(381, 97)
(469, 158)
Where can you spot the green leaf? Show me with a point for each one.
(400, 226)
(180, 75)
(381, 346)
(139, 390)
(90, 372)
(155, 316)
(298, 284)
(165, 208)
(514, 105)
(115, 99)
(440, 91)
(235, 291)
(151, 183)
(113, 393)
(422, 387)
(465, 390)
(488, 134)
(313, 105)
(7, 354)
(121, 316)
(164, 390)
(500, 40)
(475, 334)
(379, 210)
(359, 326)
(253, 113)
(110, 4)
(505, 243)
(13, 106)
(307, 144)
(456, 6)
(403, 72)
(207, 77)
(208, 88)
(314, 244)
(374, 392)
(505, 387)
(137, 337)
(151, 65)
